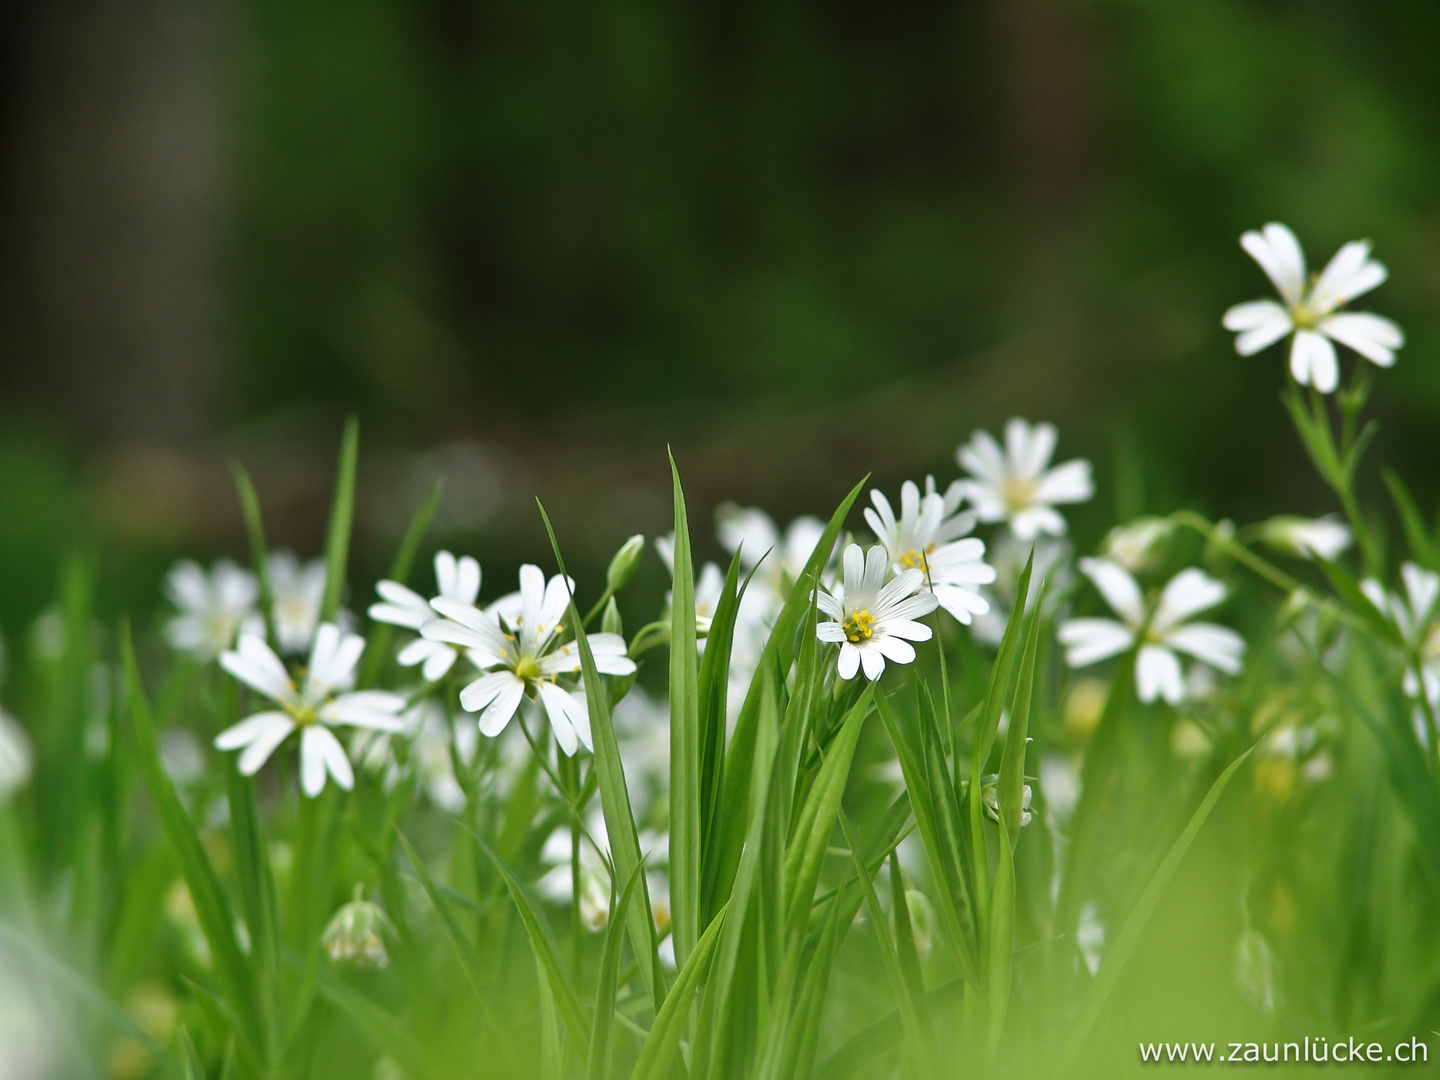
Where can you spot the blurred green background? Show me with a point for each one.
(531, 244)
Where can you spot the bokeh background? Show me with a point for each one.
(531, 244)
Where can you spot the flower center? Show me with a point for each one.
(858, 626)
(915, 559)
(304, 714)
(1018, 491)
(527, 668)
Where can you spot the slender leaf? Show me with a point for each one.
(384, 1031)
(342, 517)
(685, 751)
(259, 553)
(658, 1052)
(1010, 788)
(602, 1028)
(1000, 938)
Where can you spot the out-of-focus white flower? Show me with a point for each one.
(311, 707)
(1139, 544)
(990, 796)
(1090, 937)
(1060, 785)
(457, 580)
(594, 890)
(642, 728)
(1255, 969)
(926, 538)
(523, 654)
(1015, 485)
(1310, 311)
(182, 757)
(211, 607)
(17, 758)
(1167, 629)
(25, 1041)
(709, 584)
(871, 620)
(297, 590)
(1415, 616)
(1308, 538)
(429, 753)
(1009, 555)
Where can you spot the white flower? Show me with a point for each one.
(430, 755)
(1166, 629)
(17, 758)
(1310, 313)
(296, 591)
(312, 707)
(753, 533)
(1009, 555)
(925, 538)
(522, 654)
(873, 621)
(594, 892)
(1138, 545)
(1015, 484)
(212, 607)
(1326, 538)
(990, 796)
(1414, 615)
(457, 580)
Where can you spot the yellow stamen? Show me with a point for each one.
(915, 559)
(858, 626)
(1018, 491)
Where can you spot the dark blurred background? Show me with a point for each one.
(530, 244)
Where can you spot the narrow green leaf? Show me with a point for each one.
(212, 906)
(342, 517)
(1358, 602)
(658, 1052)
(884, 1034)
(904, 932)
(194, 1067)
(806, 853)
(469, 957)
(257, 892)
(1119, 953)
(714, 693)
(615, 798)
(377, 645)
(259, 553)
(1423, 547)
(547, 952)
(386, 1033)
(1000, 939)
(685, 750)
(602, 1028)
(227, 1030)
(1010, 788)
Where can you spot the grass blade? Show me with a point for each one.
(602, 1028)
(1010, 789)
(870, 1042)
(342, 517)
(1125, 941)
(382, 1029)
(615, 799)
(259, 552)
(658, 1052)
(1000, 938)
(212, 907)
(1422, 545)
(684, 742)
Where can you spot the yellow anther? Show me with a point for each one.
(858, 626)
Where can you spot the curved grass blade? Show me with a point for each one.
(685, 751)
(658, 1052)
(212, 906)
(342, 517)
(259, 553)
(870, 1042)
(602, 1028)
(1423, 547)
(1125, 941)
(382, 1029)
(615, 799)
(1000, 938)
(1010, 789)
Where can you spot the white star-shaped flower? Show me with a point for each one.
(870, 619)
(1415, 616)
(211, 607)
(1015, 485)
(321, 701)
(17, 758)
(1167, 629)
(925, 538)
(457, 580)
(1310, 309)
(296, 592)
(520, 652)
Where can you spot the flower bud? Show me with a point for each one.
(922, 921)
(990, 796)
(622, 567)
(610, 621)
(1306, 538)
(1139, 545)
(354, 933)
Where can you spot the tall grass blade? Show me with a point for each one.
(685, 752)
(1010, 789)
(1000, 938)
(657, 1055)
(1125, 941)
(884, 1034)
(259, 552)
(602, 1027)
(1423, 546)
(342, 518)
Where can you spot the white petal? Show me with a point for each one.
(251, 728)
(849, 661)
(1067, 483)
(893, 648)
(962, 604)
(1279, 255)
(873, 661)
(376, 709)
(312, 763)
(877, 565)
(831, 632)
(480, 693)
(1157, 674)
(1119, 589)
(261, 747)
(1037, 519)
(558, 707)
(1312, 361)
(1030, 447)
(498, 713)
(1218, 646)
(912, 631)
(1350, 273)
(254, 663)
(402, 607)
(983, 458)
(333, 660)
(1262, 323)
(441, 659)
(1188, 593)
(1089, 641)
(1372, 336)
(854, 565)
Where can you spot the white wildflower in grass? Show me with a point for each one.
(1016, 485)
(322, 699)
(17, 757)
(1138, 545)
(1163, 629)
(752, 532)
(1416, 618)
(431, 753)
(926, 537)
(211, 607)
(457, 580)
(1308, 538)
(870, 619)
(990, 796)
(1310, 310)
(1009, 555)
(356, 933)
(296, 590)
(524, 654)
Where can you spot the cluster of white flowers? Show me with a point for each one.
(1417, 619)
(214, 607)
